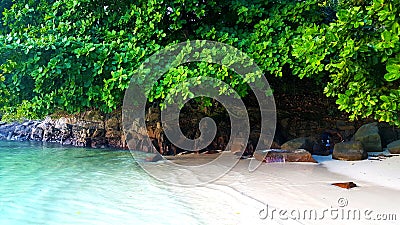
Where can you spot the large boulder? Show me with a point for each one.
(369, 137)
(394, 147)
(349, 151)
(280, 155)
(299, 143)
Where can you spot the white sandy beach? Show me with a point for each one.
(383, 172)
(294, 193)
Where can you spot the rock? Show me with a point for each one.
(37, 134)
(153, 114)
(93, 115)
(284, 123)
(346, 130)
(20, 130)
(154, 157)
(99, 142)
(48, 133)
(388, 133)
(87, 130)
(67, 142)
(340, 123)
(112, 124)
(238, 145)
(65, 132)
(368, 135)
(279, 155)
(60, 123)
(318, 150)
(394, 147)
(349, 151)
(6, 129)
(347, 127)
(98, 133)
(275, 145)
(346, 185)
(10, 135)
(28, 123)
(299, 143)
(281, 134)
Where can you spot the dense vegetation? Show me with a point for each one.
(71, 55)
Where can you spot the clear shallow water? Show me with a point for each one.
(62, 185)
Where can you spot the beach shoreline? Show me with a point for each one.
(244, 197)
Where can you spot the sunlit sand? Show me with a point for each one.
(242, 197)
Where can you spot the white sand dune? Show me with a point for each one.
(296, 190)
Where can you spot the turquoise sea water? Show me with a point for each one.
(49, 184)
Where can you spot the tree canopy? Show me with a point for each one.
(73, 55)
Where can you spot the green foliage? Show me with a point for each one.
(360, 51)
(270, 43)
(71, 55)
(21, 112)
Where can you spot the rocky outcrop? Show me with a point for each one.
(299, 143)
(92, 130)
(349, 151)
(95, 129)
(369, 137)
(280, 155)
(394, 147)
